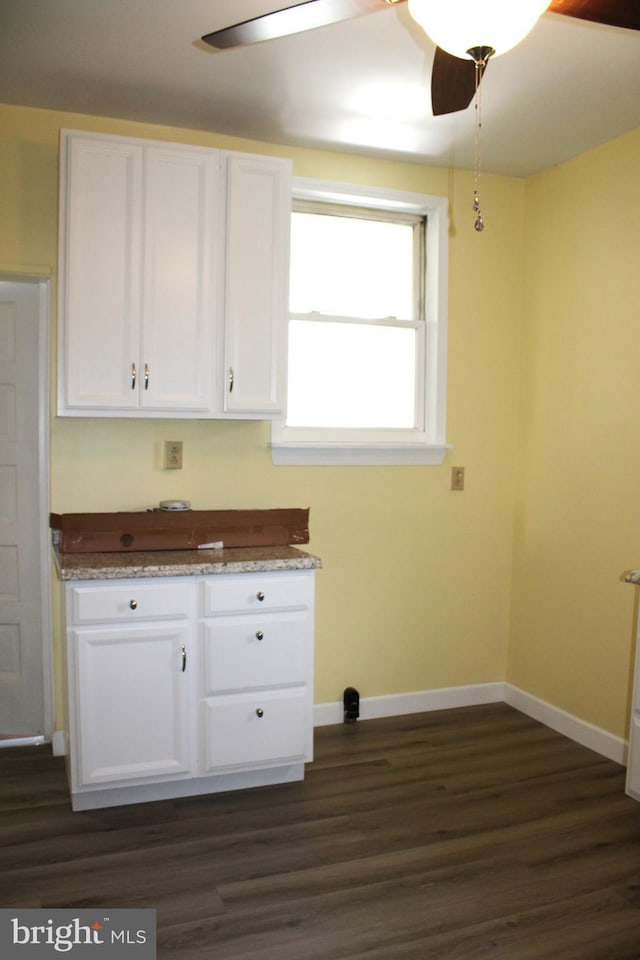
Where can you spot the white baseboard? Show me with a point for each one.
(586, 734)
(59, 743)
(423, 701)
(419, 701)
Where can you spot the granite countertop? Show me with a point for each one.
(182, 563)
(633, 576)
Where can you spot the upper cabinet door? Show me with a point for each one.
(258, 196)
(181, 194)
(100, 254)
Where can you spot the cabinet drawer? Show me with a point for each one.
(256, 730)
(131, 601)
(244, 652)
(247, 593)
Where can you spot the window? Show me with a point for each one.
(367, 328)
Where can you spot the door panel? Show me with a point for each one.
(22, 392)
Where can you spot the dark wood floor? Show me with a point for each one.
(472, 834)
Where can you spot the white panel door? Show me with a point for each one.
(256, 284)
(22, 465)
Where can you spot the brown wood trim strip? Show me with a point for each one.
(183, 530)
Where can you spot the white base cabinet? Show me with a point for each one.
(188, 685)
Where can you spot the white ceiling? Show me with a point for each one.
(359, 86)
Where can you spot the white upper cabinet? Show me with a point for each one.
(137, 293)
(173, 273)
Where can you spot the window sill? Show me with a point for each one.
(357, 455)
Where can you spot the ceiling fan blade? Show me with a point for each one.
(295, 18)
(453, 83)
(614, 13)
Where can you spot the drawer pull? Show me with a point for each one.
(260, 712)
(133, 604)
(259, 635)
(260, 596)
(184, 658)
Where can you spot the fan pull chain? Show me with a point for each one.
(479, 222)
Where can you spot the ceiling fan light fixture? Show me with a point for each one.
(459, 26)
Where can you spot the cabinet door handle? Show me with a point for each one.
(260, 712)
(260, 596)
(133, 604)
(259, 635)
(184, 658)
(134, 376)
(146, 376)
(231, 379)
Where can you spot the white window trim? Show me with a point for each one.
(427, 446)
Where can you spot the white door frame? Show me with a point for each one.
(44, 345)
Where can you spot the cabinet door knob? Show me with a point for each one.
(260, 596)
(260, 712)
(259, 635)
(133, 604)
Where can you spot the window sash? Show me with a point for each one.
(418, 224)
(408, 408)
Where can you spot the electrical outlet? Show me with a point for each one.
(173, 455)
(457, 478)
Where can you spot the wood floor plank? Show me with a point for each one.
(453, 835)
(589, 927)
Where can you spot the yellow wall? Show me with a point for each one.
(520, 575)
(578, 499)
(415, 590)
